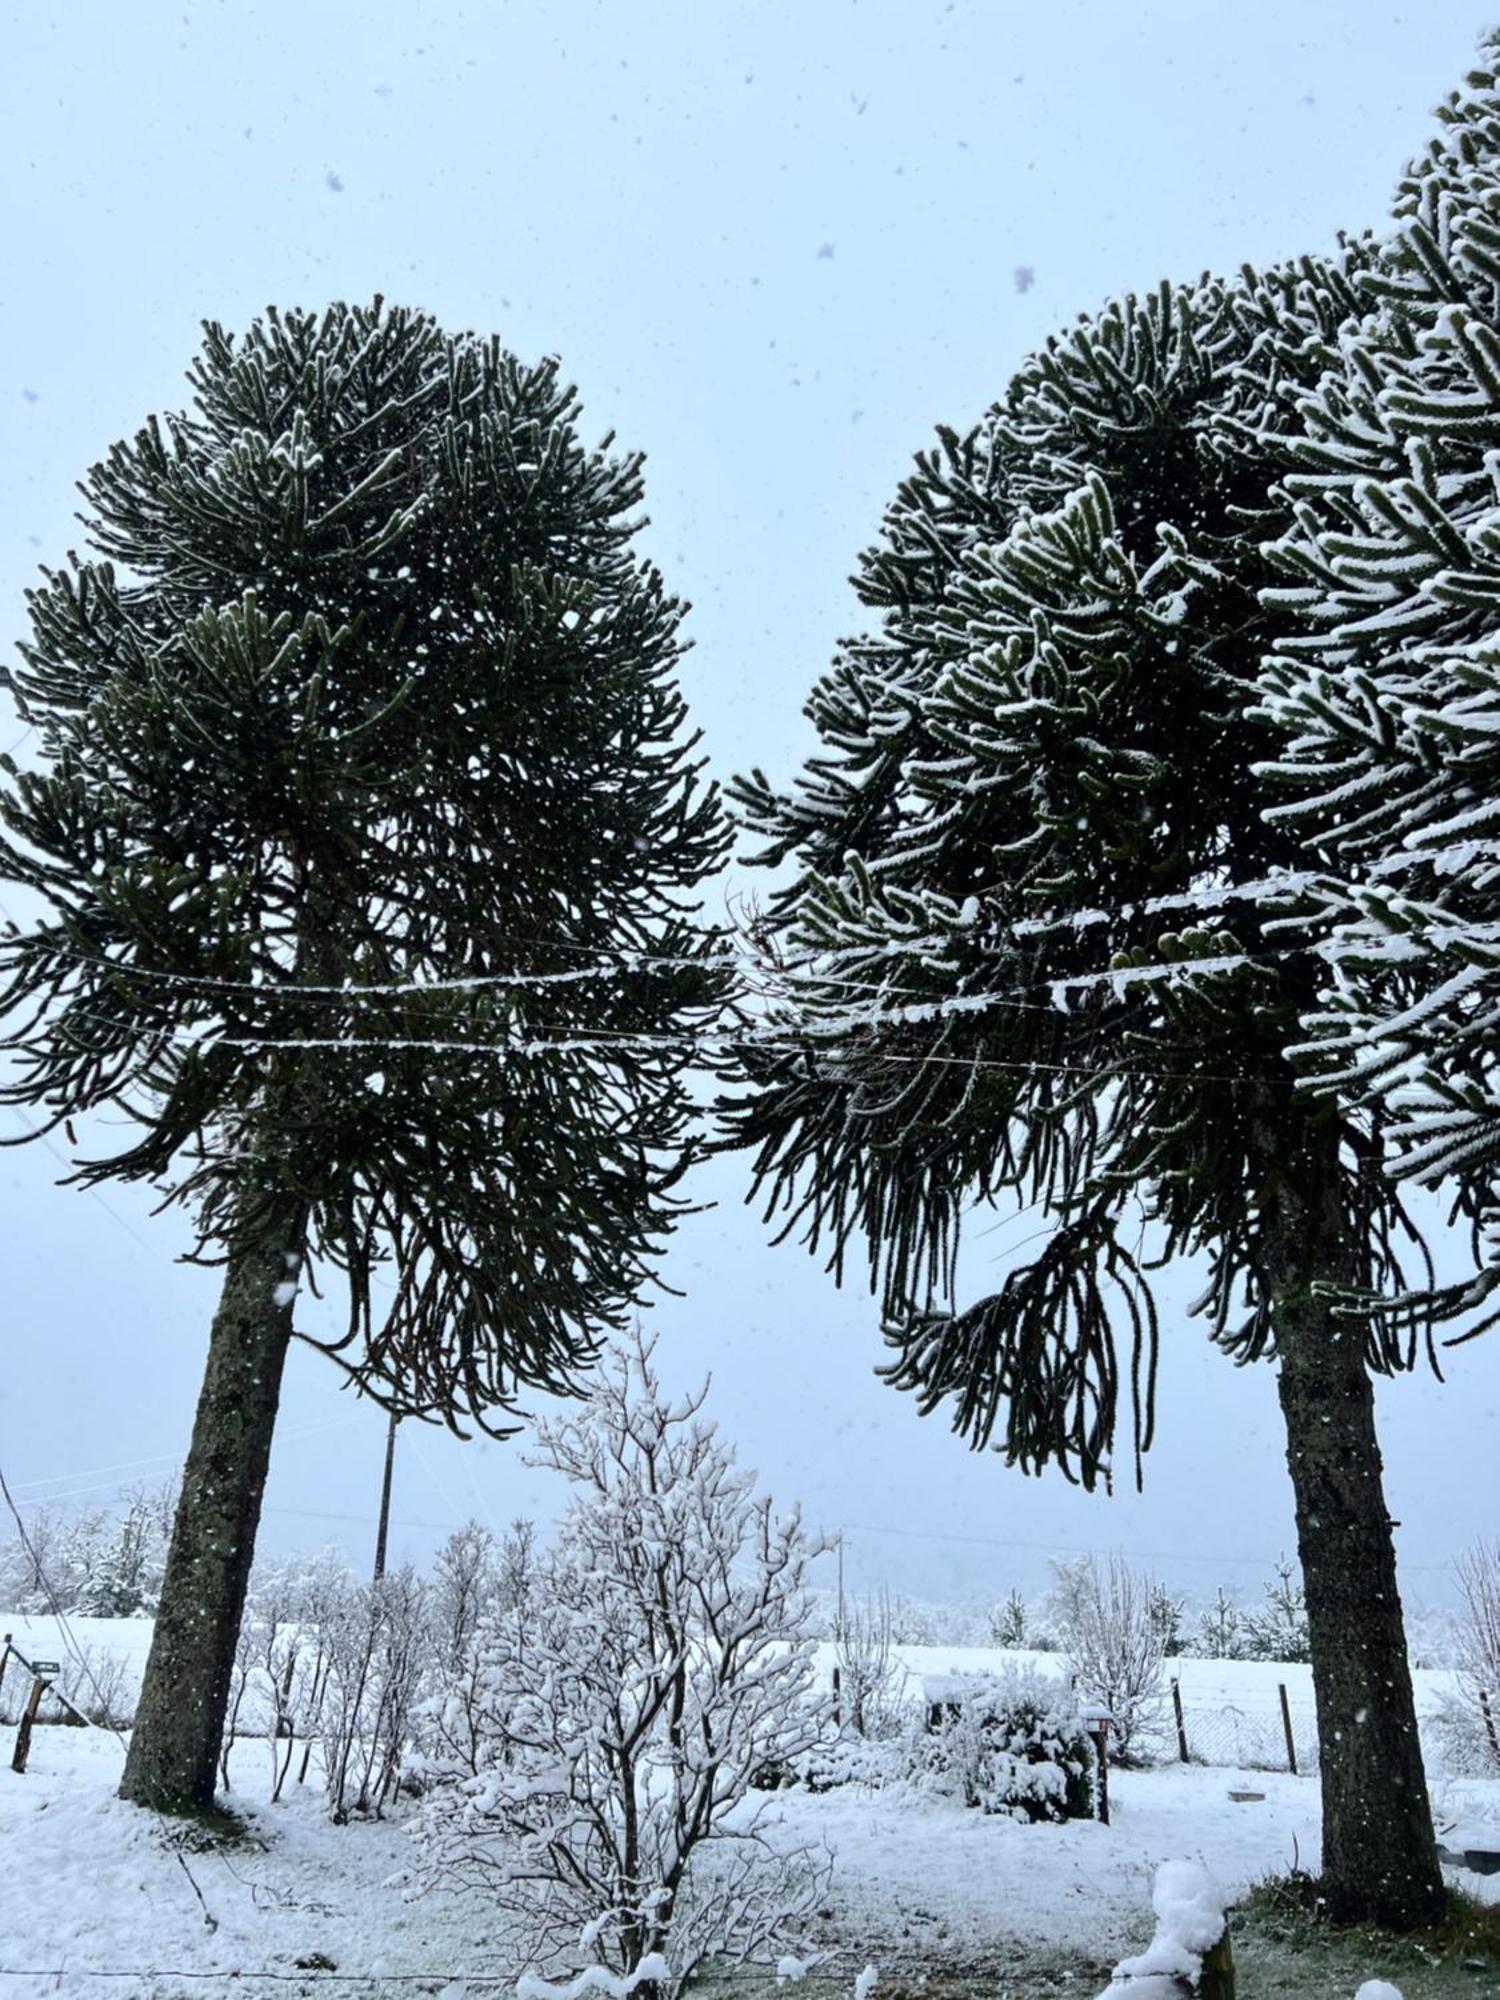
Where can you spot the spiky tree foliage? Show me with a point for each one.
(361, 784)
(1041, 945)
(1387, 685)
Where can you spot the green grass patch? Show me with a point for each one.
(1285, 1944)
(204, 1829)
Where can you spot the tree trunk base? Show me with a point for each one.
(173, 1758)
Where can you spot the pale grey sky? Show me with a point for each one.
(774, 243)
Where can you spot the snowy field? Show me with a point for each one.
(1219, 1697)
(93, 1887)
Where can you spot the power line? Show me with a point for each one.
(62, 1160)
(691, 1044)
(1082, 1549)
(28, 1486)
(817, 968)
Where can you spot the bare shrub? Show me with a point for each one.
(377, 1644)
(870, 1681)
(1113, 1643)
(1478, 1650)
(588, 1766)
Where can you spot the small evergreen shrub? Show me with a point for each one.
(1012, 1743)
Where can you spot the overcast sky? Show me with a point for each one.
(774, 244)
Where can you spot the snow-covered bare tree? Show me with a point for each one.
(31, 1562)
(589, 1768)
(464, 1583)
(1478, 1645)
(360, 837)
(1113, 1644)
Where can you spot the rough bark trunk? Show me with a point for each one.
(1379, 1850)
(180, 1718)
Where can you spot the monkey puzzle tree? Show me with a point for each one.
(363, 836)
(1386, 683)
(1041, 944)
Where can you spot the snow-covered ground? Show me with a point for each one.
(91, 1885)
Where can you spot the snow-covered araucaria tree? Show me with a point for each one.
(589, 1763)
(1387, 684)
(1041, 945)
(360, 790)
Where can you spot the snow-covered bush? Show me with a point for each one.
(1456, 1739)
(100, 1683)
(1432, 1636)
(867, 1761)
(588, 1767)
(289, 1615)
(1113, 1642)
(1012, 1742)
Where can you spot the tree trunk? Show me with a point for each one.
(1379, 1850)
(175, 1745)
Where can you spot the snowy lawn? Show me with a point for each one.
(921, 1889)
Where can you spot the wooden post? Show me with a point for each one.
(838, 1708)
(1216, 1982)
(1286, 1723)
(1101, 1744)
(383, 1531)
(4, 1661)
(1182, 1749)
(1489, 1723)
(23, 1734)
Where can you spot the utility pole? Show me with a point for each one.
(382, 1533)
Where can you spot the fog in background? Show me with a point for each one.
(774, 245)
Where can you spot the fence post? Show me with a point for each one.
(1101, 1744)
(838, 1706)
(1489, 1722)
(1286, 1723)
(1216, 1981)
(1182, 1749)
(23, 1734)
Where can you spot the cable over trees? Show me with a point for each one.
(1038, 773)
(360, 690)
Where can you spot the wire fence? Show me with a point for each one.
(1249, 1729)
